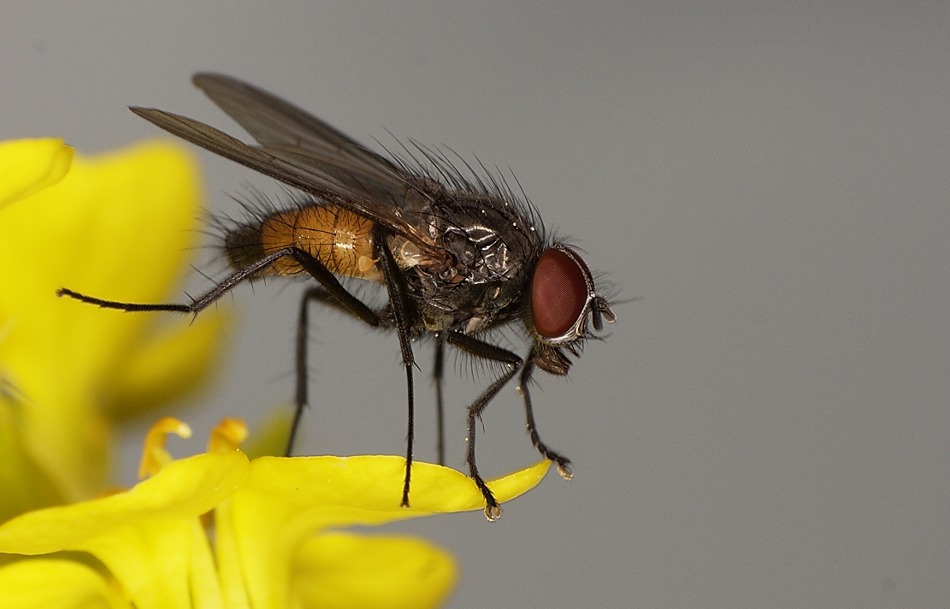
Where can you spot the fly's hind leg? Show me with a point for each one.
(401, 308)
(331, 293)
(197, 304)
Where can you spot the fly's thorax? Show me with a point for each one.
(489, 247)
(338, 238)
(465, 307)
(488, 239)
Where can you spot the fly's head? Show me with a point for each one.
(564, 303)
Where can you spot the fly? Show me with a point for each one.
(458, 256)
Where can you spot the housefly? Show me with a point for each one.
(458, 255)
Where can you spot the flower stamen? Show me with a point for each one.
(154, 455)
(227, 435)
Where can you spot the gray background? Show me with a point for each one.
(767, 425)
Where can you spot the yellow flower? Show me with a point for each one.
(117, 226)
(28, 166)
(276, 541)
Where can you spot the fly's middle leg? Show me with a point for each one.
(485, 350)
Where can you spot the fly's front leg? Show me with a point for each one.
(480, 348)
(563, 463)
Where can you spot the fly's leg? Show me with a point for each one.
(563, 463)
(403, 310)
(334, 294)
(300, 364)
(484, 350)
(437, 376)
(197, 304)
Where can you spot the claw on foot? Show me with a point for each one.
(564, 470)
(492, 512)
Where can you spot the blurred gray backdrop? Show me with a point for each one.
(767, 424)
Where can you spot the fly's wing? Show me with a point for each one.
(289, 133)
(311, 178)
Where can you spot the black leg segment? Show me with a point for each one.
(484, 350)
(563, 463)
(438, 374)
(403, 310)
(197, 304)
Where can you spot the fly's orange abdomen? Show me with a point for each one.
(338, 238)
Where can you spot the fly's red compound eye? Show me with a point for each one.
(560, 291)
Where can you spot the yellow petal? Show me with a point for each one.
(27, 166)
(150, 537)
(56, 584)
(187, 487)
(168, 365)
(286, 500)
(342, 570)
(26, 486)
(119, 225)
(374, 483)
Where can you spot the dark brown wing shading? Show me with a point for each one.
(298, 137)
(311, 178)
